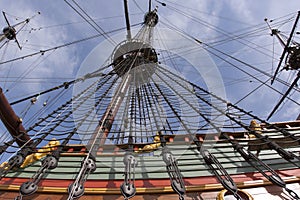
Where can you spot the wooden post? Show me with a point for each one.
(12, 122)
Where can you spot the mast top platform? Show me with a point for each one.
(132, 54)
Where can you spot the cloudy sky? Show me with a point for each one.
(235, 27)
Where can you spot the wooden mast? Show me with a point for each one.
(12, 122)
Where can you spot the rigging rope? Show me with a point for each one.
(94, 25)
(155, 98)
(208, 46)
(42, 52)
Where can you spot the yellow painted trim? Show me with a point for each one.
(143, 190)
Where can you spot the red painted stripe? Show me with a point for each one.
(149, 183)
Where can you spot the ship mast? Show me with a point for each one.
(12, 122)
(127, 20)
(137, 97)
(7, 115)
(10, 31)
(291, 55)
(127, 59)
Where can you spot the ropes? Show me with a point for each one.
(42, 52)
(90, 21)
(128, 102)
(244, 63)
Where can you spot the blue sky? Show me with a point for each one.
(59, 24)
